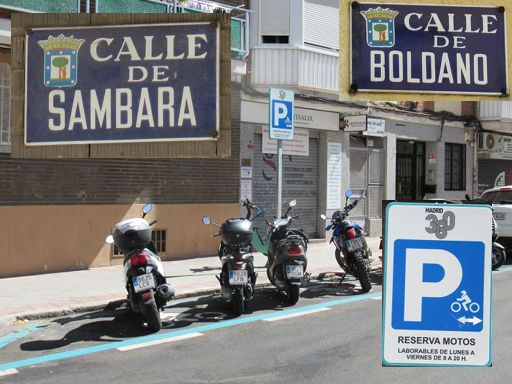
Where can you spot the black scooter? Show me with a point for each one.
(237, 278)
(145, 281)
(287, 261)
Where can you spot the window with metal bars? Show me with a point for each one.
(158, 236)
(87, 6)
(455, 167)
(5, 90)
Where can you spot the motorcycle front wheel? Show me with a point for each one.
(363, 275)
(153, 317)
(498, 257)
(238, 300)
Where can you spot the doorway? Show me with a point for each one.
(410, 170)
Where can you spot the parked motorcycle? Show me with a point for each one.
(352, 252)
(148, 290)
(237, 278)
(499, 255)
(287, 261)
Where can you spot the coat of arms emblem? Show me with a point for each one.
(60, 60)
(380, 27)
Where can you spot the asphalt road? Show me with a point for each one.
(332, 335)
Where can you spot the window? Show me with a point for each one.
(158, 237)
(5, 90)
(455, 167)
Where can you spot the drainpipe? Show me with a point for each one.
(478, 128)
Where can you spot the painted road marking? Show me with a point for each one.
(157, 342)
(16, 335)
(297, 314)
(377, 298)
(164, 335)
(8, 372)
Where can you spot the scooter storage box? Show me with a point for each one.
(237, 232)
(132, 233)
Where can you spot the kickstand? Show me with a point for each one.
(342, 278)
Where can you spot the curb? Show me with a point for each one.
(98, 307)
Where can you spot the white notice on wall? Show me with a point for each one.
(246, 189)
(334, 176)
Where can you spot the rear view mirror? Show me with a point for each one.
(292, 203)
(349, 193)
(206, 220)
(109, 239)
(260, 212)
(323, 217)
(146, 209)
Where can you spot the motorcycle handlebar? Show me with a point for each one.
(153, 222)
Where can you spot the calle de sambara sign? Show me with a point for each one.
(131, 83)
(428, 48)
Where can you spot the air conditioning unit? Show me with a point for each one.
(488, 141)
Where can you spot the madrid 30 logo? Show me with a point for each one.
(380, 27)
(60, 60)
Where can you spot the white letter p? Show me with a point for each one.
(416, 289)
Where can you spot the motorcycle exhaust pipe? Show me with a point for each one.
(165, 291)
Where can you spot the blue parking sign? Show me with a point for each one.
(281, 104)
(437, 285)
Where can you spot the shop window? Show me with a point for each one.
(5, 91)
(158, 236)
(455, 167)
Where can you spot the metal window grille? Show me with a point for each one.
(455, 167)
(5, 90)
(159, 238)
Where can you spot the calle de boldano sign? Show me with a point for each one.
(428, 48)
(136, 83)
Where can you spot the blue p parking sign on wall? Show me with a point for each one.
(437, 285)
(281, 104)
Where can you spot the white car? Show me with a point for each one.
(501, 200)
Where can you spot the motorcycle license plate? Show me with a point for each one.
(143, 282)
(238, 277)
(294, 271)
(354, 244)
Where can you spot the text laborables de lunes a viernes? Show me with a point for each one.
(420, 348)
(117, 103)
(467, 68)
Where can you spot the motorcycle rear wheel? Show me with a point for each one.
(362, 274)
(293, 292)
(238, 300)
(498, 257)
(153, 317)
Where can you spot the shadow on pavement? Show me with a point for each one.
(124, 325)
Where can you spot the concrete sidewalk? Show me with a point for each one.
(57, 294)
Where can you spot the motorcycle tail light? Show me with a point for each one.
(294, 250)
(236, 266)
(351, 233)
(139, 259)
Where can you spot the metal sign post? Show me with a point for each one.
(281, 103)
(437, 285)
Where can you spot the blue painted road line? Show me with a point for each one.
(164, 335)
(16, 335)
